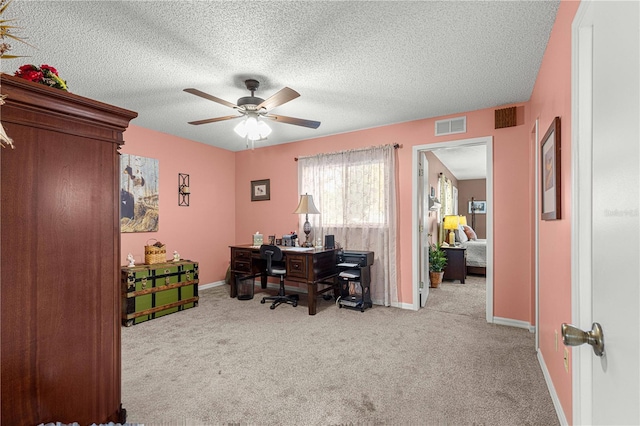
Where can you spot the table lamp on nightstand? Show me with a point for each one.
(451, 222)
(306, 207)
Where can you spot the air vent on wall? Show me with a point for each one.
(505, 117)
(451, 126)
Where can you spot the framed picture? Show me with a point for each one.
(260, 190)
(139, 194)
(477, 207)
(550, 160)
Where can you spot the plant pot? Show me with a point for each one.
(436, 278)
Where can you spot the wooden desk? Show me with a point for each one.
(310, 266)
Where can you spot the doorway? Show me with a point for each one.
(419, 259)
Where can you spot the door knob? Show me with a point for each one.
(573, 336)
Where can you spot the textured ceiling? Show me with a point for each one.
(356, 64)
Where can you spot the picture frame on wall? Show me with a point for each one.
(260, 190)
(477, 207)
(550, 175)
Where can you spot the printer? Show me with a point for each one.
(355, 279)
(354, 259)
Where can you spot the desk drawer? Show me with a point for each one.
(241, 254)
(242, 266)
(296, 266)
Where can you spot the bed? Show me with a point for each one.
(476, 256)
(476, 250)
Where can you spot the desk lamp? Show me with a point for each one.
(451, 223)
(306, 207)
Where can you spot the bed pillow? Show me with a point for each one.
(470, 233)
(461, 236)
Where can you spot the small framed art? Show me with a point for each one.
(477, 207)
(550, 160)
(260, 190)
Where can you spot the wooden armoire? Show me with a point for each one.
(60, 260)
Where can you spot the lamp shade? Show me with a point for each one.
(451, 222)
(306, 205)
(463, 220)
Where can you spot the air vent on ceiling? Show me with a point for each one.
(451, 126)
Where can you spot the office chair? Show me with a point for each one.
(273, 255)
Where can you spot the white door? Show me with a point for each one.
(606, 245)
(423, 214)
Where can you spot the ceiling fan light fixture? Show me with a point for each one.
(252, 129)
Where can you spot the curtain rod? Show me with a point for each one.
(395, 146)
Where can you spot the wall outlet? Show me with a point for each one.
(566, 360)
(556, 342)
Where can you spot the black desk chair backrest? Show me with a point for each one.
(272, 254)
(275, 267)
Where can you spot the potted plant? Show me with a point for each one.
(437, 262)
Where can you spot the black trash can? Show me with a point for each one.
(244, 287)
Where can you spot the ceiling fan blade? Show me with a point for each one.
(210, 97)
(291, 120)
(213, 120)
(281, 97)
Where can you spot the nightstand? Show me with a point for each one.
(456, 268)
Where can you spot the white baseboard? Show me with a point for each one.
(514, 323)
(552, 391)
(211, 285)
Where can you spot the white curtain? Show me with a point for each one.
(355, 192)
(446, 206)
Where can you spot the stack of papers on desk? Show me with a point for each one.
(298, 248)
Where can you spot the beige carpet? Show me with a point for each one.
(238, 362)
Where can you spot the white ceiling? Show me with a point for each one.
(356, 64)
(464, 162)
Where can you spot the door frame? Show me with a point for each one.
(535, 137)
(423, 213)
(581, 142)
(416, 220)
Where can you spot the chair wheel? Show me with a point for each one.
(295, 304)
(262, 301)
(272, 307)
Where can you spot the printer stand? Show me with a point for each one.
(355, 288)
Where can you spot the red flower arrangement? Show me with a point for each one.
(46, 75)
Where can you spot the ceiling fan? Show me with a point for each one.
(253, 107)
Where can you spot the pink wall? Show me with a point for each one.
(511, 223)
(511, 158)
(204, 230)
(476, 188)
(551, 97)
